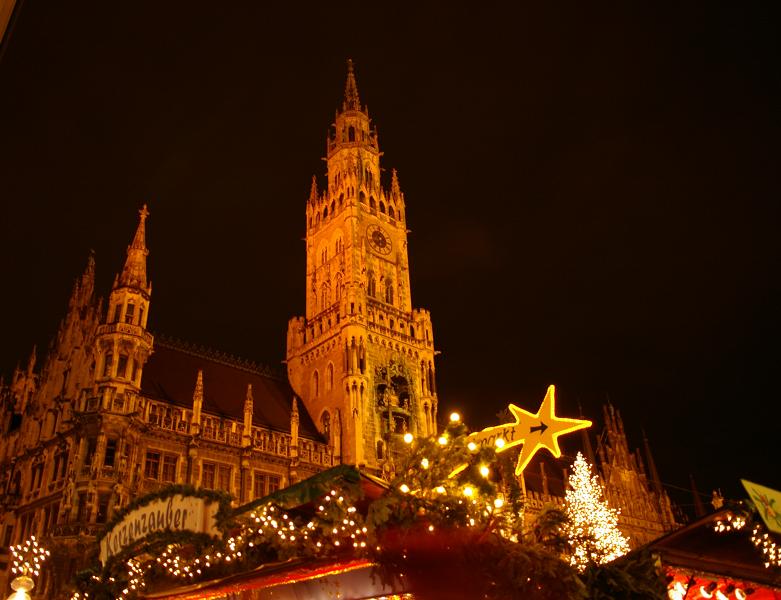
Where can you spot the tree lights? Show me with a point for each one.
(592, 527)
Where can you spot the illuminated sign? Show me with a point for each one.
(534, 431)
(768, 503)
(174, 513)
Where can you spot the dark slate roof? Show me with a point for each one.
(170, 374)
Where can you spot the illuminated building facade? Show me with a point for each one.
(114, 413)
(362, 359)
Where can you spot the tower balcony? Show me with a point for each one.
(125, 329)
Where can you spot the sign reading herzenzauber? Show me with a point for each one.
(175, 513)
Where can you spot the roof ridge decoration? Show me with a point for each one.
(217, 356)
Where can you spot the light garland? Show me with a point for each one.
(761, 539)
(731, 522)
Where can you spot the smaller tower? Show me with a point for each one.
(123, 344)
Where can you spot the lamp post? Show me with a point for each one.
(27, 560)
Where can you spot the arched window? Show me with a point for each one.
(338, 286)
(122, 366)
(317, 219)
(380, 447)
(362, 197)
(130, 312)
(391, 212)
(372, 286)
(325, 424)
(108, 364)
(341, 200)
(382, 207)
(316, 383)
(411, 331)
(389, 291)
(339, 245)
(351, 134)
(329, 382)
(372, 203)
(333, 208)
(324, 293)
(325, 213)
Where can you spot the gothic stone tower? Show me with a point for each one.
(361, 359)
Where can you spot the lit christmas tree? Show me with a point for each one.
(592, 529)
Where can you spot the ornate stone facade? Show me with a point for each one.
(362, 359)
(115, 412)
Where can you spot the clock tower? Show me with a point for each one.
(361, 359)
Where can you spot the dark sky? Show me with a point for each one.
(593, 192)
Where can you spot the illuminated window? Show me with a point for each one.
(102, 508)
(122, 366)
(225, 477)
(83, 513)
(107, 365)
(169, 468)
(111, 451)
(207, 476)
(264, 484)
(152, 465)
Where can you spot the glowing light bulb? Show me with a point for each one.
(498, 503)
(500, 442)
(404, 488)
(442, 440)
(455, 417)
(408, 438)
(484, 471)
(472, 446)
(424, 463)
(440, 489)
(468, 491)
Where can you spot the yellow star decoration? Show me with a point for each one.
(534, 431)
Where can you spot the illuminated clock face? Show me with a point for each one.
(379, 241)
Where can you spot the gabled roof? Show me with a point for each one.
(170, 373)
(699, 547)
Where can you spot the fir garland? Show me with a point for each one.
(453, 511)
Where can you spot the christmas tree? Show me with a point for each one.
(592, 528)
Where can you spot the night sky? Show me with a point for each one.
(593, 192)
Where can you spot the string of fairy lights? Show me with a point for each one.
(448, 481)
(760, 537)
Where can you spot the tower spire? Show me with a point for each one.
(313, 190)
(134, 271)
(351, 99)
